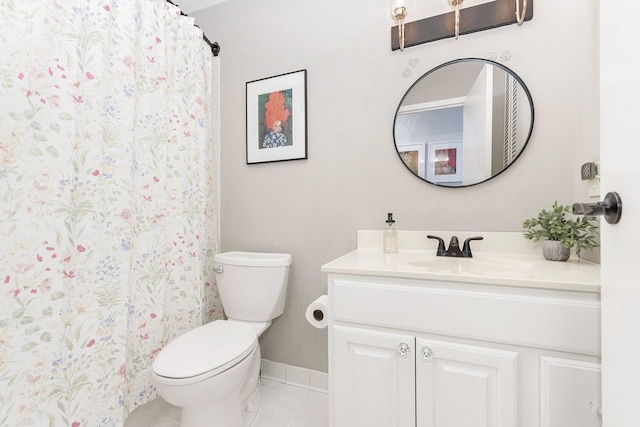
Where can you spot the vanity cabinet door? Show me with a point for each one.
(569, 393)
(374, 378)
(464, 385)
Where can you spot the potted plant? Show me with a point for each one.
(559, 234)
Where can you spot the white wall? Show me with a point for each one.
(353, 177)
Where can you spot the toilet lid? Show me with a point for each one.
(211, 348)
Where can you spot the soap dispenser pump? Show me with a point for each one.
(390, 236)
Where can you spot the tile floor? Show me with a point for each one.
(283, 405)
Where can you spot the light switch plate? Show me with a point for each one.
(594, 187)
(594, 183)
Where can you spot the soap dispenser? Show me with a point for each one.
(390, 236)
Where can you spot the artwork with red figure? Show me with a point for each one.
(275, 129)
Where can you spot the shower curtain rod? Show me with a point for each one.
(215, 46)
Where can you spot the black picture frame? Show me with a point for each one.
(277, 118)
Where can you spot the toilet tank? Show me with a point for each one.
(252, 285)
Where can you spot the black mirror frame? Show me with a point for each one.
(456, 61)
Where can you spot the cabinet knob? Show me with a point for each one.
(426, 354)
(404, 349)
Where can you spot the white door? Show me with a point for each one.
(569, 392)
(620, 166)
(374, 378)
(464, 385)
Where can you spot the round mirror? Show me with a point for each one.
(463, 122)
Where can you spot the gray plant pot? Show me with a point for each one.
(555, 251)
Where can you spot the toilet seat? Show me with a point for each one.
(205, 351)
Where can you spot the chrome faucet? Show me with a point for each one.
(454, 247)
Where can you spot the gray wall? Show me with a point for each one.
(353, 177)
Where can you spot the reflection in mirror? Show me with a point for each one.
(463, 122)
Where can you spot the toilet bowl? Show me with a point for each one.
(211, 372)
(209, 364)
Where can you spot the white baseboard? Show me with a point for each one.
(294, 375)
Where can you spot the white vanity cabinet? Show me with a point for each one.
(395, 379)
(374, 378)
(464, 385)
(431, 353)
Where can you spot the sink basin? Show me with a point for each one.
(480, 265)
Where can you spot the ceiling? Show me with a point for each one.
(189, 6)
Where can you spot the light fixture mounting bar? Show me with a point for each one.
(482, 17)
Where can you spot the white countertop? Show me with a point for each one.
(519, 265)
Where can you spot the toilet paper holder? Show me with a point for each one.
(317, 312)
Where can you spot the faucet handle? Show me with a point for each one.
(441, 250)
(466, 247)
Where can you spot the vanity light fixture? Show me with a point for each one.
(399, 11)
(520, 17)
(480, 17)
(456, 4)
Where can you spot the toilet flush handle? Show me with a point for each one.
(219, 269)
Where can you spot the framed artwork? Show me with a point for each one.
(277, 118)
(413, 157)
(445, 162)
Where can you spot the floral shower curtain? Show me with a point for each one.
(106, 203)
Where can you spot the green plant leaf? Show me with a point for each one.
(554, 225)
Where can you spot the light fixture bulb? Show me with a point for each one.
(399, 12)
(519, 16)
(399, 9)
(456, 4)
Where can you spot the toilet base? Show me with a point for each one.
(251, 408)
(224, 413)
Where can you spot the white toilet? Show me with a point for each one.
(212, 371)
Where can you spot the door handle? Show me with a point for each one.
(610, 208)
